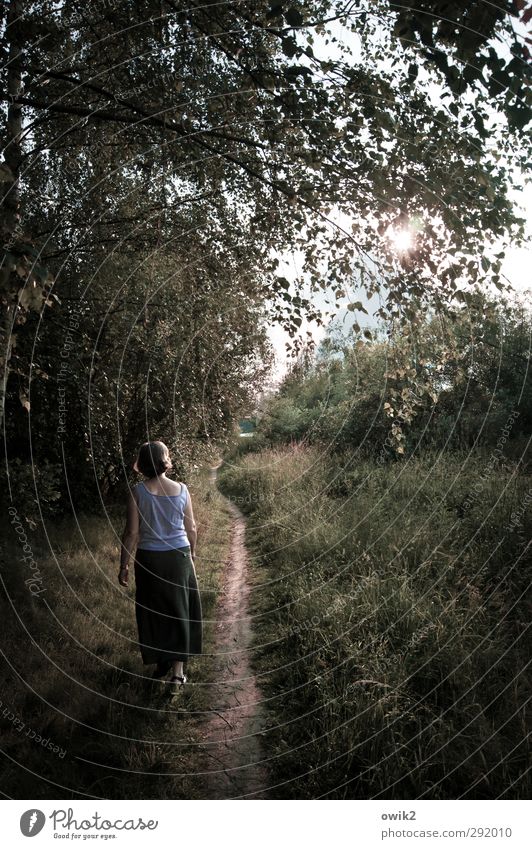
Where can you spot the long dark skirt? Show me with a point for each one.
(168, 605)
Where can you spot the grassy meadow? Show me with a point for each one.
(72, 672)
(391, 621)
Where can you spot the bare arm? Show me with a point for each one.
(129, 538)
(190, 525)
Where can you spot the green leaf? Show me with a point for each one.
(293, 17)
(413, 71)
(295, 70)
(357, 305)
(275, 10)
(289, 46)
(479, 125)
(519, 116)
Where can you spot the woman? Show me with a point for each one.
(160, 522)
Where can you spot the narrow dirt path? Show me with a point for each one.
(231, 735)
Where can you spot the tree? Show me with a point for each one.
(122, 140)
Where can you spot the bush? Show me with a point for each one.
(34, 488)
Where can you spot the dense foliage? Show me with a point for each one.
(158, 157)
(460, 383)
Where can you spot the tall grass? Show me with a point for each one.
(391, 615)
(72, 672)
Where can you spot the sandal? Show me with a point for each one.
(177, 681)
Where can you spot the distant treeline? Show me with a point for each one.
(455, 385)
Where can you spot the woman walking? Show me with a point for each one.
(160, 522)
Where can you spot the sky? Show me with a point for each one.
(516, 265)
(516, 268)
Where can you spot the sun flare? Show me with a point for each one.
(401, 240)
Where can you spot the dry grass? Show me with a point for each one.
(72, 671)
(391, 620)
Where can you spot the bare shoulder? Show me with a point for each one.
(173, 487)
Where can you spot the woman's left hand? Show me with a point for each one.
(123, 576)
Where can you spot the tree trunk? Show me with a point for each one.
(10, 219)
